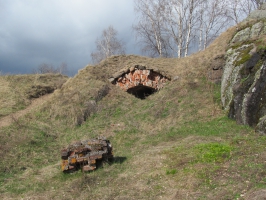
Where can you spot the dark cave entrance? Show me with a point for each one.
(141, 91)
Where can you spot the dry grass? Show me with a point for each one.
(175, 144)
(8, 101)
(16, 91)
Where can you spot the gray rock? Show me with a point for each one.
(111, 80)
(261, 126)
(263, 6)
(242, 35)
(243, 87)
(243, 84)
(230, 76)
(256, 29)
(257, 15)
(176, 78)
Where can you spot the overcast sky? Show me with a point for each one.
(33, 32)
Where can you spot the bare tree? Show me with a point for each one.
(212, 21)
(63, 69)
(107, 45)
(49, 68)
(258, 3)
(150, 30)
(181, 18)
(168, 27)
(190, 22)
(240, 9)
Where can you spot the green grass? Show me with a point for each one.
(151, 147)
(171, 171)
(176, 144)
(212, 152)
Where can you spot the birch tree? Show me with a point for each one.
(175, 17)
(107, 45)
(165, 27)
(258, 3)
(150, 28)
(168, 27)
(240, 9)
(190, 23)
(49, 68)
(212, 21)
(182, 17)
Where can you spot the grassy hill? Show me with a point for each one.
(175, 144)
(17, 91)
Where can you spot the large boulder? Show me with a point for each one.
(243, 84)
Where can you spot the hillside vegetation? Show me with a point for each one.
(17, 91)
(176, 144)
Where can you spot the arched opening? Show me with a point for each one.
(139, 81)
(141, 91)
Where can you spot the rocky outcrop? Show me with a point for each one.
(243, 85)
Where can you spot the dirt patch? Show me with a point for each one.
(256, 195)
(35, 103)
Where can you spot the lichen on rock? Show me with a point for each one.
(243, 85)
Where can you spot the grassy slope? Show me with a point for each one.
(176, 144)
(16, 91)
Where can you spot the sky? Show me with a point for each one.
(33, 32)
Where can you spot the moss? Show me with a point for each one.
(243, 57)
(261, 47)
(259, 42)
(258, 65)
(248, 24)
(240, 44)
(244, 79)
(248, 77)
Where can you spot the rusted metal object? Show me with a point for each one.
(83, 154)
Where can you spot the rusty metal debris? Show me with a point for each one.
(83, 154)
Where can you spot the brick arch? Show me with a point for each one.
(140, 82)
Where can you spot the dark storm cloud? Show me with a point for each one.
(47, 31)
